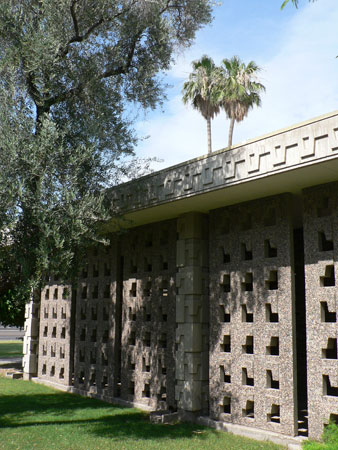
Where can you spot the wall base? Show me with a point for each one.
(292, 443)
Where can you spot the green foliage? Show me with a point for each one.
(35, 416)
(330, 440)
(200, 90)
(233, 87)
(72, 73)
(295, 2)
(239, 89)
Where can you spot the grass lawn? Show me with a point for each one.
(10, 349)
(33, 416)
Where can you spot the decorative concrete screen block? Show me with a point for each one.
(96, 370)
(192, 314)
(54, 341)
(148, 315)
(321, 283)
(252, 360)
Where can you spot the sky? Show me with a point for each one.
(296, 49)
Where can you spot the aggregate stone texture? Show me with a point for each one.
(321, 281)
(31, 338)
(54, 337)
(148, 315)
(252, 323)
(95, 365)
(192, 314)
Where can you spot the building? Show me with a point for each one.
(220, 297)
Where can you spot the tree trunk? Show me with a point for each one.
(231, 131)
(209, 134)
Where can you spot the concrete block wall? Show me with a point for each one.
(252, 324)
(148, 315)
(54, 336)
(95, 368)
(321, 283)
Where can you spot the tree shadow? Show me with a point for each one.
(116, 422)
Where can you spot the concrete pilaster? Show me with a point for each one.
(31, 339)
(192, 317)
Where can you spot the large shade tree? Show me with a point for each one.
(239, 90)
(72, 72)
(201, 91)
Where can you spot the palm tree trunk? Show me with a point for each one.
(209, 134)
(231, 131)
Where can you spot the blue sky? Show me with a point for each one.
(296, 49)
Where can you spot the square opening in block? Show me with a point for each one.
(326, 315)
(274, 414)
(273, 348)
(269, 250)
(226, 345)
(147, 339)
(226, 407)
(248, 347)
(104, 382)
(328, 389)
(132, 291)
(269, 315)
(131, 364)
(324, 245)
(147, 289)
(225, 284)
(246, 316)
(145, 366)
(92, 357)
(247, 284)
(146, 390)
(246, 253)
(132, 338)
(224, 314)
(225, 256)
(329, 278)
(163, 341)
(249, 410)
(225, 376)
(272, 282)
(330, 352)
(246, 380)
(83, 334)
(271, 383)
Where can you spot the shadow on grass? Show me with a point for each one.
(116, 422)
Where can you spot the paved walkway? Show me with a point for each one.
(10, 333)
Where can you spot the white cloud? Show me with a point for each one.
(301, 82)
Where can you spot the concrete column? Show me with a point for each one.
(31, 340)
(192, 316)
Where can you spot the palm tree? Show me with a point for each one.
(239, 90)
(200, 90)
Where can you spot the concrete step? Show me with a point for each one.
(14, 375)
